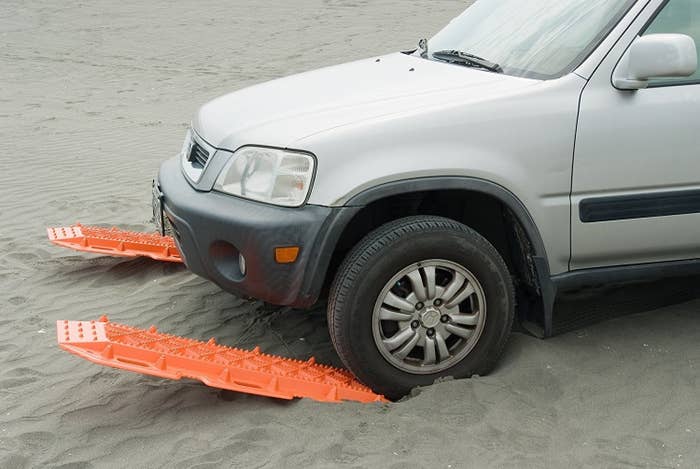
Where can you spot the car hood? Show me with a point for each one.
(284, 111)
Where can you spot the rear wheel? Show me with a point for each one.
(419, 299)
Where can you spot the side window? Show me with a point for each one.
(678, 17)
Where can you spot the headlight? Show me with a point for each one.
(269, 175)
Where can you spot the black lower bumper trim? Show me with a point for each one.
(214, 229)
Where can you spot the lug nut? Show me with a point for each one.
(415, 325)
(437, 302)
(420, 305)
(431, 332)
(445, 319)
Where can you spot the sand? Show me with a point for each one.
(93, 96)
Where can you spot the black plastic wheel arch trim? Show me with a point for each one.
(337, 224)
(457, 183)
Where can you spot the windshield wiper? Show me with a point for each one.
(470, 60)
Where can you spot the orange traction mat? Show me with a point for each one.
(152, 353)
(115, 242)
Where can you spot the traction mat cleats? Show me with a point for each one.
(153, 353)
(115, 242)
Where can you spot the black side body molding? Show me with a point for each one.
(627, 207)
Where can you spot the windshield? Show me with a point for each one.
(531, 38)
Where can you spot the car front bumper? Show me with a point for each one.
(212, 229)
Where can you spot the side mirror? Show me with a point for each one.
(656, 56)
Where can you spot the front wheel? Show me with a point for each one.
(419, 299)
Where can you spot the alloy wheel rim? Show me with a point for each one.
(429, 316)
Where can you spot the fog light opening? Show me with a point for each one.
(226, 259)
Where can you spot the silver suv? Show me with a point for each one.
(527, 148)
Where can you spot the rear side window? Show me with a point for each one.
(678, 17)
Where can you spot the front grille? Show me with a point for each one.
(198, 156)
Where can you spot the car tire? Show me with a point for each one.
(414, 262)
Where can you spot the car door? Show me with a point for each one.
(636, 172)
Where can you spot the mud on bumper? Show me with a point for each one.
(212, 229)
